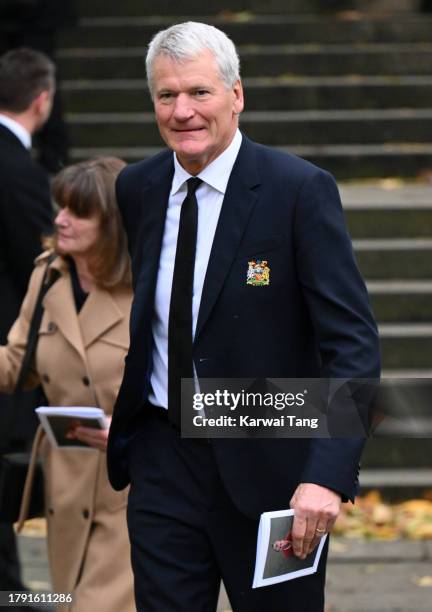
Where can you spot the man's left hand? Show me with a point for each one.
(316, 510)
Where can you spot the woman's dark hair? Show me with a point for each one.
(87, 189)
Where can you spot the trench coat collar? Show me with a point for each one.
(99, 313)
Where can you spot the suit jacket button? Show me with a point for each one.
(86, 513)
(50, 511)
(86, 381)
(52, 327)
(45, 378)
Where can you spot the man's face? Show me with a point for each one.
(196, 114)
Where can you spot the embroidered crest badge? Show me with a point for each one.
(258, 273)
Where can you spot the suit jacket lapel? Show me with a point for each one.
(152, 226)
(145, 262)
(237, 207)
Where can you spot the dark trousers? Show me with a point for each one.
(187, 535)
(10, 579)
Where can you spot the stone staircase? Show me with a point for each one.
(392, 236)
(351, 92)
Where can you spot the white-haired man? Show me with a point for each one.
(198, 217)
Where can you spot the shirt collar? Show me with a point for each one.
(17, 129)
(216, 174)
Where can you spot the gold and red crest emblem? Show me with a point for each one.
(258, 273)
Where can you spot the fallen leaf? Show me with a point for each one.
(371, 518)
(336, 546)
(424, 581)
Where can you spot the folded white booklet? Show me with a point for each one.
(275, 560)
(59, 423)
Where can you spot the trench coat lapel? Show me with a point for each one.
(60, 307)
(98, 315)
(239, 201)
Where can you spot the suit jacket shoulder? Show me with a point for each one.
(135, 177)
(135, 196)
(290, 181)
(281, 166)
(19, 173)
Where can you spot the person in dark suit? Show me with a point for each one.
(35, 24)
(199, 216)
(27, 84)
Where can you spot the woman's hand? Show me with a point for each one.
(97, 438)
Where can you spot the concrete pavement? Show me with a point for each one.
(363, 576)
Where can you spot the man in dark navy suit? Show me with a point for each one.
(242, 268)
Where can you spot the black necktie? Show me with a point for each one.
(180, 363)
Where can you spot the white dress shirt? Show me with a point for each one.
(209, 196)
(16, 128)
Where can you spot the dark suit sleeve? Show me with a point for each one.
(339, 308)
(26, 217)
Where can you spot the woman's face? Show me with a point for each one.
(76, 236)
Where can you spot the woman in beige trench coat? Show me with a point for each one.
(83, 339)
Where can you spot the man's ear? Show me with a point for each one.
(238, 97)
(41, 108)
(41, 102)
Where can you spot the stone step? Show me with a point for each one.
(402, 331)
(416, 477)
(388, 209)
(384, 453)
(343, 161)
(407, 345)
(354, 8)
(386, 195)
(347, 162)
(271, 128)
(261, 29)
(408, 222)
(191, 7)
(396, 484)
(413, 373)
(407, 301)
(278, 60)
(394, 259)
(261, 93)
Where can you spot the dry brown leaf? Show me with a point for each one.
(420, 532)
(371, 518)
(35, 527)
(382, 514)
(424, 581)
(428, 494)
(416, 505)
(370, 499)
